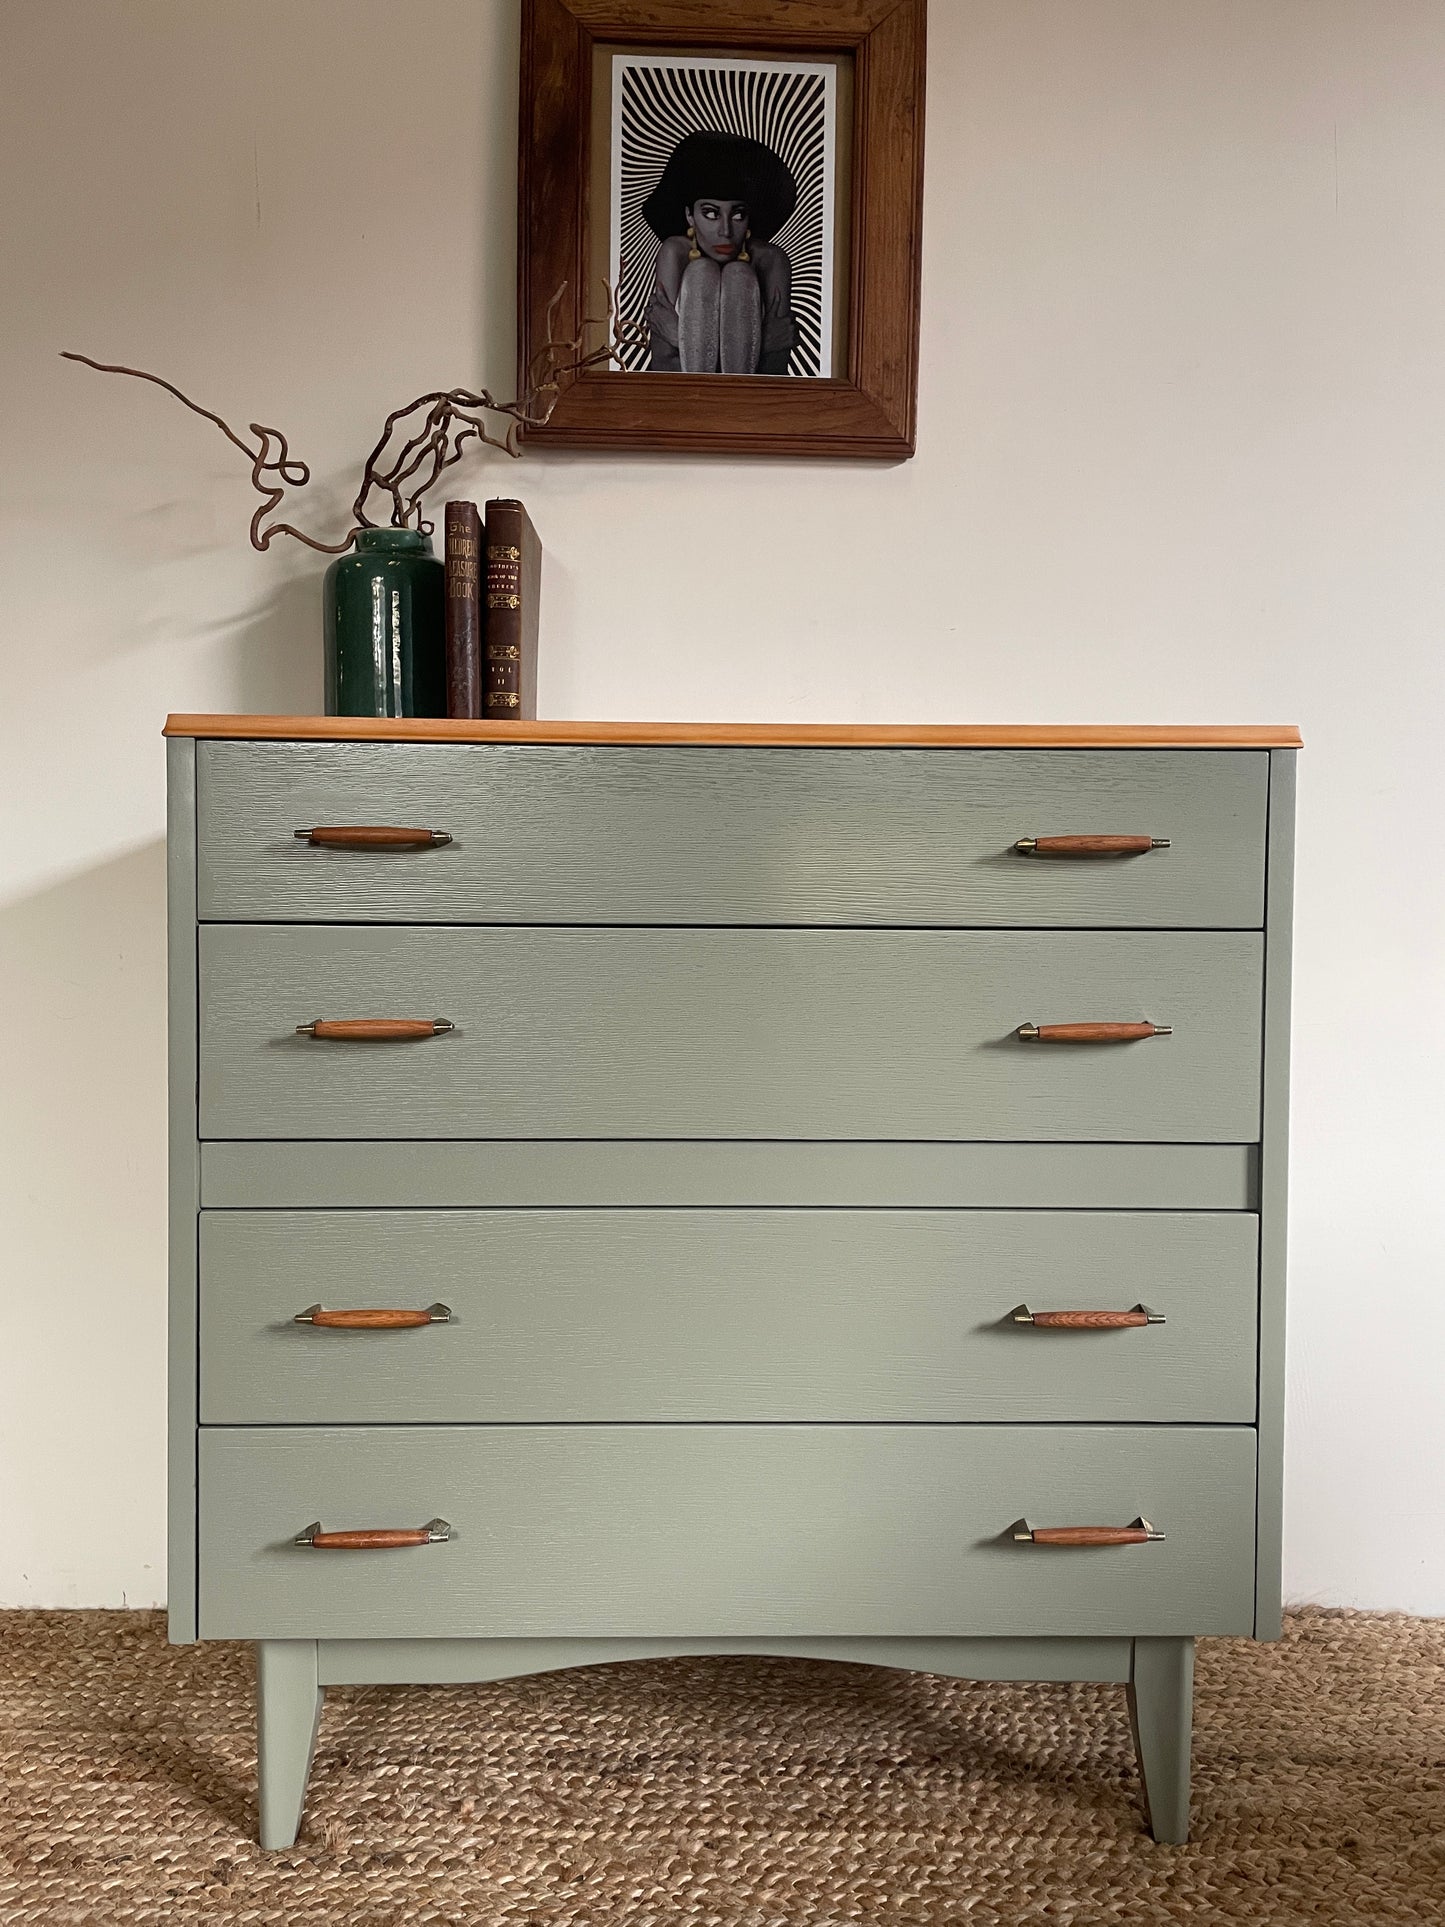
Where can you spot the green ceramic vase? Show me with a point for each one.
(384, 613)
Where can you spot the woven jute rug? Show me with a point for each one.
(771, 1792)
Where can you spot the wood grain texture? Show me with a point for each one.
(1105, 1177)
(184, 1179)
(1274, 1193)
(887, 228)
(1126, 1033)
(1102, 1537)
(368, 836)
(554, 114)
(371, 1539)
(733, 23)
(1083, 849)
(578, 834)
(1090, 1321)
(685, 414)
(360, 1318)
(370, 1030)
(607, 1316)
(699, 1529)
(728, 1034)
(870, 411)
(376, 729)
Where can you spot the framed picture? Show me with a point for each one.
(739, 184)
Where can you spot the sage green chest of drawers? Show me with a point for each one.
(638, 1192)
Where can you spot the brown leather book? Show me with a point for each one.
(462, 554)
(514, 585)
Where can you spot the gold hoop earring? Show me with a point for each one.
(744, 255)
(694, 252)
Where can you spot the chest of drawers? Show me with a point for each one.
(656, 1191)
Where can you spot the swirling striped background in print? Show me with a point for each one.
(656, 99)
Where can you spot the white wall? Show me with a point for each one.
(1182, 457)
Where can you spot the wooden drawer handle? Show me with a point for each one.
(1091, 1033)
(1088, 846)
(374, 1030)
(1088, 1321)
(371, 836)
(1140, 1533)
(375, 1539)
(373, 1321)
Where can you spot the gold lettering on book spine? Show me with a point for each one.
(503, 590)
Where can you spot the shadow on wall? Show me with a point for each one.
(83, 1203)
(274, 650)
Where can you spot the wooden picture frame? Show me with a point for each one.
(868, 408)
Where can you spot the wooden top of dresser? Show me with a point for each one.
(419, 729)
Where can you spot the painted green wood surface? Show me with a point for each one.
(289, 1699)
(1105, 1177)
(1274, 1194)
(604, 1316)
(184, 1187)
(684, 1530)
(1161, 1712)
(721, 858)
(729, 1033)
(380, 1662)
(719, 836)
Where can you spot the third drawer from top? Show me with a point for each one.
(625, 1315)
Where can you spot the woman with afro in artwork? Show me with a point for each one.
(722, 300)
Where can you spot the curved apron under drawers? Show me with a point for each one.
(728, 1034)
(693, 1530)
(618, 1315)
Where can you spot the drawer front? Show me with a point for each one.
(697, 1529)
(726, 1315)
(729, 1034)
(726, 836)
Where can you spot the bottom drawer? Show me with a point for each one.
(707, 1530)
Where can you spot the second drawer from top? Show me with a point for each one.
(617, 1315)
(570, 834)
(882, 1034)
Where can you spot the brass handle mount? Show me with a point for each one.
(1140, 1533)
(371, 836)
(1091, 1033)
(374, 1539)
(374, 1030)
(1091, 1321)
(1089, 846)
(366, 1320)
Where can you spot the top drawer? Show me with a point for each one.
(667, 835)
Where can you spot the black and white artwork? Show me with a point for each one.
(723, 185)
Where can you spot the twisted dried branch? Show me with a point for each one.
(264, 465)
(404, 470)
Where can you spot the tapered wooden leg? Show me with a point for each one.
(288, 1712)
(1161, 1711)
